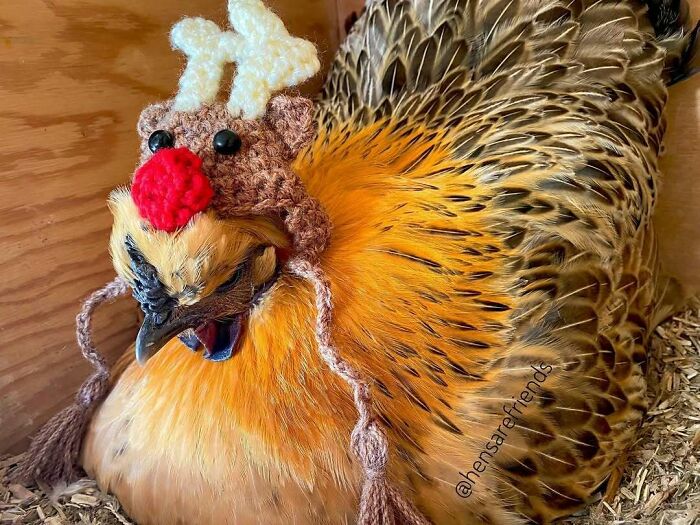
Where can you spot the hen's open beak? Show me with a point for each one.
(152, 337)
(217, 337)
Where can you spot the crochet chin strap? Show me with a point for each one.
(380, 503)
(282, 193)
(54, 452)
(275, 193)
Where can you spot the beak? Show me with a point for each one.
(152, 337)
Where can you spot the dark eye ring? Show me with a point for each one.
(231, 281)
(227, 142)
(160, 139)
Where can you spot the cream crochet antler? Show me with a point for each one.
(267, 59)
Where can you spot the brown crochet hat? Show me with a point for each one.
(208, 159)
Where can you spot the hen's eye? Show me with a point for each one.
(231, 281)
(227, 142)
(160, 139)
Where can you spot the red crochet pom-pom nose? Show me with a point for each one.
(171, 188)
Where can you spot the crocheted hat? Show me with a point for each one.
(175, 184)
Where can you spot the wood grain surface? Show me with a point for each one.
(678, 211)
(74, 75)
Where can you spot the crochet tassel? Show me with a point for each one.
(380, 503)
(54, 451)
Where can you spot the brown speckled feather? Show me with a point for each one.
(555, 110)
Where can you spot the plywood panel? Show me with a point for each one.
(678, 211)
(348, 10)
(74, 75)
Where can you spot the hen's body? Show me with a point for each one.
(490, 169)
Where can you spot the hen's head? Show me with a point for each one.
(201, 234)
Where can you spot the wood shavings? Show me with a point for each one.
(661, 483)
(78, 503)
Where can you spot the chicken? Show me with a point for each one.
(489, 169)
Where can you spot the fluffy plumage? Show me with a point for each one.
(490, 170)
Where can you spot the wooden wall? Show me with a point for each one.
(678, 211)
(74, 75)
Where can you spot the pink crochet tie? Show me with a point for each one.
(54, 452)
(274, 192)
(380, 503)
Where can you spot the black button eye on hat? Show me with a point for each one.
(160, 139)
(227, 142)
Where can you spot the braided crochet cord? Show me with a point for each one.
(54, 451)
(257, 182)
(380, 503)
